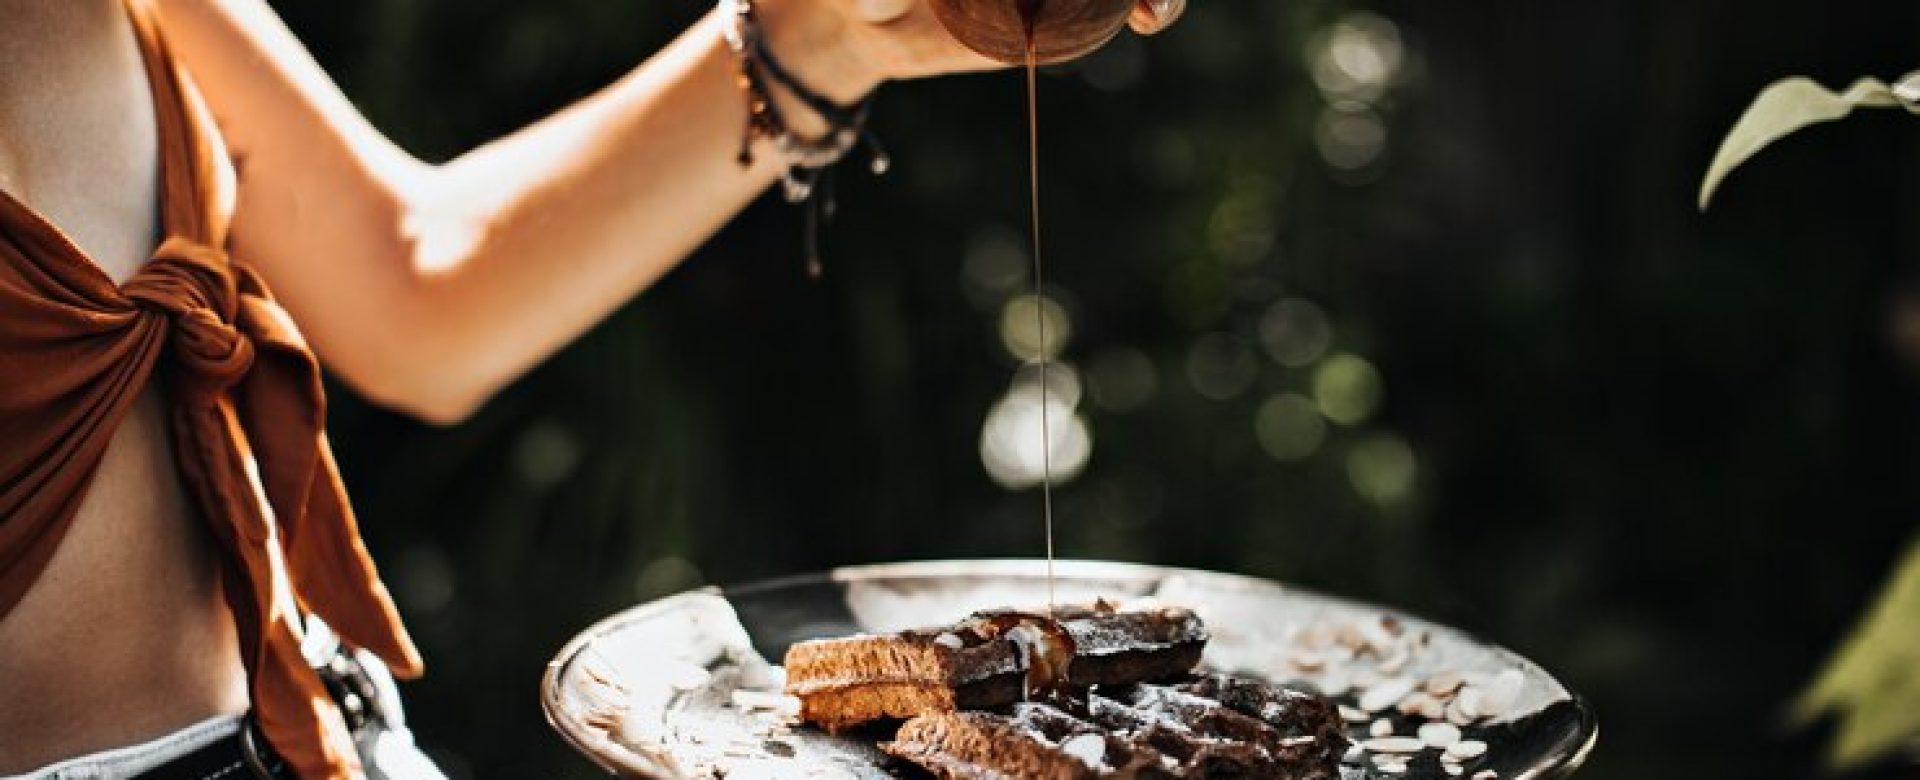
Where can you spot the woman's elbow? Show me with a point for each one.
(441, 408)
(424, 394)
(431, 382)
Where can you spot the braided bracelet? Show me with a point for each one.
(810, 161)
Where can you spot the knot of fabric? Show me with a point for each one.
(193, 286)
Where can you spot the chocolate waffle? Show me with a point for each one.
(992, 659)
(1209, 727)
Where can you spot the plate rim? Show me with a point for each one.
(583, 744)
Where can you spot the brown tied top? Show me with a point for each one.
(244, 394)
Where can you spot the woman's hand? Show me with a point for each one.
(844, 48)
(1152, 16)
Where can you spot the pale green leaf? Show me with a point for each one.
(1872, 684)
(1907, 91)
(1790, 104)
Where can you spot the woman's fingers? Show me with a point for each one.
(1152, 16)
(881, 11)
(913, 44)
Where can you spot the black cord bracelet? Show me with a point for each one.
(810, 162)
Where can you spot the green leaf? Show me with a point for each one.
(1790, 104)
(1872, 685)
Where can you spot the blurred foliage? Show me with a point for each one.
(1873, 682)
(1442, 331)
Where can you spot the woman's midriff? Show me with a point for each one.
(125, 636)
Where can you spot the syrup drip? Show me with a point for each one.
(1046, 649)
(1029, 15)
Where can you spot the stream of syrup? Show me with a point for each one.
(1029, 15)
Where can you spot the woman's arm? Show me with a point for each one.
(429, 287)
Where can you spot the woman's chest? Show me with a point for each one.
(77, 134)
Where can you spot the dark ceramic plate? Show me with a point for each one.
(683, 687)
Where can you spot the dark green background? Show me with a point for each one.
(1669, 455)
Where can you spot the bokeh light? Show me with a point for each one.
(1347, 388)
(1011, 438)
(1122, 379)
(1062, 380)
(1020, 327)
(426, 578)
(1221, 366)
(665, 575)
(1295, 332)
(1382, 468)
(1289, 427)
(995, 264)
(1354, 62)
(1350, 136)
(1242, 228)
(546, 455)
(1356, 58)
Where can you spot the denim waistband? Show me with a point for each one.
(131, 760)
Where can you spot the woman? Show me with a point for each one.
(162, 542)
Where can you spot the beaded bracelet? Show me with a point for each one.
(810, 161)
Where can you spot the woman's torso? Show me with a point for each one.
(125, 635)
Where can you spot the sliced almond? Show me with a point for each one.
(1439, 735)
(1443, 684)
(1470, 702)
(1375, 636)
(1394, 744)
(1396, 660)
(1350, 635)
(1501, 692)
(1385, 694)
(1458, 716)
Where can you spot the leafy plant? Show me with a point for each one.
(1872, 683)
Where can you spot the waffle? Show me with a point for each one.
(1210, 727)
(992, 659)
